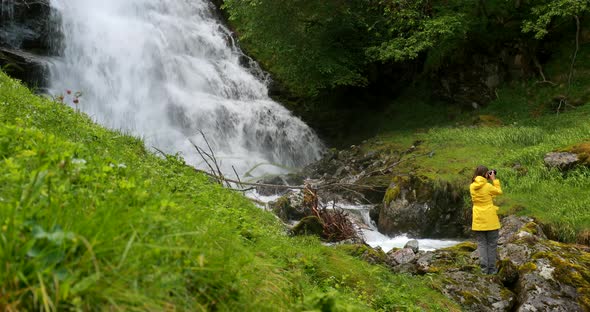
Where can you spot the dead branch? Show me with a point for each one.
(238, 177)
(540, 68)
(211, 155)
(563, 101)
(212, 174)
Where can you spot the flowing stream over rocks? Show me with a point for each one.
(165, 70)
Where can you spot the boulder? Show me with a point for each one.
(413, 244)
(402, 256)
(24, 66)
(25, 35)
(310, 225)
(561, 160)
(290, 207)
(420, 207)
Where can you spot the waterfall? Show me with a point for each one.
(164, 70)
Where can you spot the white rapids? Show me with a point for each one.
(164, 70)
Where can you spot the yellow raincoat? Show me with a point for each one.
(485, 217)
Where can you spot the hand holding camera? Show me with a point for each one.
(492, 174)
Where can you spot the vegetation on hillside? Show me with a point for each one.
(316, 45)
(90, 220)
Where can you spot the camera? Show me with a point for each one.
(492, 171)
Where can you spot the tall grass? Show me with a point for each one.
(89, 220)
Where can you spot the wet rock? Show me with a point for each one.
(290, 207)
(25, 31)
(25, 25)
(24, 66)
(413, 244)
(561, 160)
(422, 208)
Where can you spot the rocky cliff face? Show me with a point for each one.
(25, 32)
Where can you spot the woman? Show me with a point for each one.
(485, 220)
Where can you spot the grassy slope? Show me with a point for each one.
(516, 130)
(91, 221)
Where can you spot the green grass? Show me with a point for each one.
(89, 220)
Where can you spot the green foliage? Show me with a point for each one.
(312, 46)
(89, 220)
(550, 12)
(412, 27)
(308, 44)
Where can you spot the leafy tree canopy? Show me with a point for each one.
(312, 45)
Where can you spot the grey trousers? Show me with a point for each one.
(487, 242)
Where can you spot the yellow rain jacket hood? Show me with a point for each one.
(485, 217)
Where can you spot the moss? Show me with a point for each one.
(391, 194)
(281, 207)
(469, 297)
(463, 247)
(310, 225)
(508, 272)
(583, 152)
(395, 188)
(364, 252)
(530, 227)
(527, 267)
(572, 267)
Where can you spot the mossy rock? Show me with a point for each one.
(583, 152)
(366, 253)
(571, 267)
(508, 272)
(281, 207)
(464, 247)
(309, 225)
(394, 188)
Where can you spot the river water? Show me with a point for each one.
(167, 70)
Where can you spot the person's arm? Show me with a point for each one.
(496, 188)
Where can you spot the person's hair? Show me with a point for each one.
(479, 171)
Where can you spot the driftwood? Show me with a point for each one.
(335, 222)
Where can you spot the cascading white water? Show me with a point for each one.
(165, 70)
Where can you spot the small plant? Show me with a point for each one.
(75, 98)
